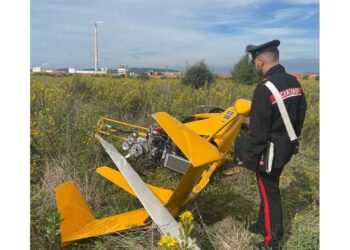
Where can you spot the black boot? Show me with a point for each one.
(257, 228)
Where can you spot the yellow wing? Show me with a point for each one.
(197, 150)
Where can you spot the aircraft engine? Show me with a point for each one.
(150, 149)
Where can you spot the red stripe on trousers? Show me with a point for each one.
(268, 236)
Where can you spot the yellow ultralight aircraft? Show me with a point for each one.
(195, 147)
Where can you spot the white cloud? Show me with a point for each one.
(158, 33)
(289, 16)
(304, 1)
(276, 31)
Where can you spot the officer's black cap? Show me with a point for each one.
(255, 50)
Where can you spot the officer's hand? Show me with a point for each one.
(261, 163)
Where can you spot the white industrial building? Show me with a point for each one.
(123, 69)
(78, 71)
(41, 70)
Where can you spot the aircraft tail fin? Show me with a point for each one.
(79, 222)
(73, 209)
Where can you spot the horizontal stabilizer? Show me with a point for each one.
(78, 221)
(117, 178)
(115, 223)
(197, 150)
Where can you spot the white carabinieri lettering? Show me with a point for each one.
(286, 93)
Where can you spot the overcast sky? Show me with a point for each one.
(155, 33)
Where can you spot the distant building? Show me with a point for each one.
(122, 69)
(36, 70)
(71, 70)
(42, 70)
(104, 69)
(77, 71)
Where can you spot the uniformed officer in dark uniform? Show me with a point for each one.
(266, 124)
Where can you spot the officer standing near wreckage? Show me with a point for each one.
(266, 125)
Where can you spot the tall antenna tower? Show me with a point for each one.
(96, 45)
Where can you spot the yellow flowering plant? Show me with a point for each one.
(168, 243)
(186, 227)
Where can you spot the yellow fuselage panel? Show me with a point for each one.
(183, 190)
(222, 128)
(207, 126)
(242, 106)
(224, 138)
(213, 123)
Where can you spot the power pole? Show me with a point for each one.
(96, 45)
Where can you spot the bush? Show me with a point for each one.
(305, 77)
(198, 75)
(244, 72)
(143, 76)
(120, 76)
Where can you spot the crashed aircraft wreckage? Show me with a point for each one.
(195, 147)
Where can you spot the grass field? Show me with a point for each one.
(64, 114)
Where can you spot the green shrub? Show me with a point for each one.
(143, 76)
(198, 76)
(52, 229)
(244, 72)
(120, 76)
(81, 87)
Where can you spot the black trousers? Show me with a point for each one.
(270, 215)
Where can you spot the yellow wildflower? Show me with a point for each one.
(167, 242)
(186, 217)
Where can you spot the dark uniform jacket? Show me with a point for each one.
(266, 122)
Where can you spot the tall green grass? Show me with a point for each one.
(64, 114)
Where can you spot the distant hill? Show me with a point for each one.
(132, 69)
(62, 69)
(303, 66)
(293, 66)
(298, 65)
(144, 70)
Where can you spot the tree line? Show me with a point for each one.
(200, 75)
